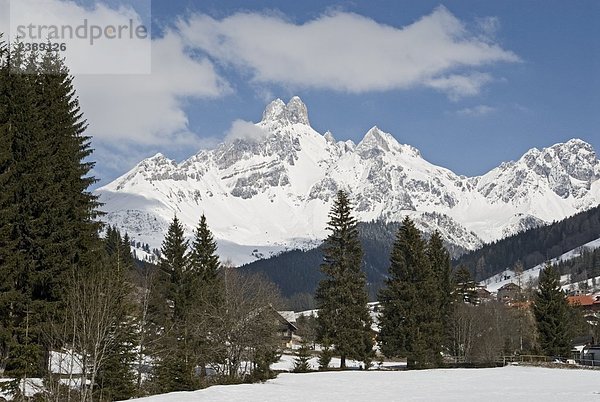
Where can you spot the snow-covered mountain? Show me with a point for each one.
(271, 188)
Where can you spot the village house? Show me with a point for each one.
(483, 295)
(508, 293)
(286, 329)
(587, 303)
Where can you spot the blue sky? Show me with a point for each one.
(514, 75)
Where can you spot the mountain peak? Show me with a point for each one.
(376, 139)
(294, 112)
(329, 137)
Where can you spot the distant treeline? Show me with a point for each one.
(297, 272)
(582, 267)
(534, 246)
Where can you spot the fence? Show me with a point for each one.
(525, 359)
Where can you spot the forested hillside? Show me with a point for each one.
(582, 267)
(297, 272)
(534, 246)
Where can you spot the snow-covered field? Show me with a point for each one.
(512, 383)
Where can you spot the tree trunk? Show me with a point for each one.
(343, 361)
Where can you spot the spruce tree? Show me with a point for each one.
(409, 318)
(204, 290)
(341, 297)
(552, 315)
(174, 370)
(465, 291)
(439, 259)
(48, 215)
(8, 274)
(115, 377)
(301, 362)
(204, 261)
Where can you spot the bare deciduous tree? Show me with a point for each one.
(240, 332)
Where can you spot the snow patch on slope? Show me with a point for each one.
(274, 192)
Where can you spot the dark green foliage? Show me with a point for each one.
(167, 312)
(534, 246)
(301, 364)
(410, 319)
(465, 287)
(307, 328)
(439, 259)
(204, 261)
(301, 302)
(583, 267)
(115, 376)
(552, 314)
(173, 264)
(203, 290)
(341, 297)
(297, 271)
(325, 356)
(47, 224)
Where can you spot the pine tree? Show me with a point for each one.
(203, 287)
(341, 297)
(174, 370)
(325, 356)
(204, 261)
(409, 319)
(465, 286)
(301, 362)
(48, 225)
(115, 377)
(552, 315)
(21, 132)
(439, 259)
(173, 264)
(8, 292)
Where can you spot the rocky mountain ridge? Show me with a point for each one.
(271, 190)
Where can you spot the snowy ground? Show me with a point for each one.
(286, 363)
(512, 383)
(497, 281)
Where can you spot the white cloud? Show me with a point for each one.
(245, 130)
(149, 109)
(489, 27)
(348, 52)
(458, 86)
(476, 111)
(131, 114)
(97, 39)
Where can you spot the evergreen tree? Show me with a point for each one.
(341, 297)
(301, 362)
(465, 286)
(552, 314)
(48, 215)
(115, 377)
(174, 370)
(173, 264)
(325, 356)
(204, 261)
(409, 318)
(203, 289)
(439, 259)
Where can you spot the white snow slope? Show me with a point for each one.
(271, 188)
(510, 383)
(495, 282)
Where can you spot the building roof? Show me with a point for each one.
(288, 315)
(583, 300)
(510, 286)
